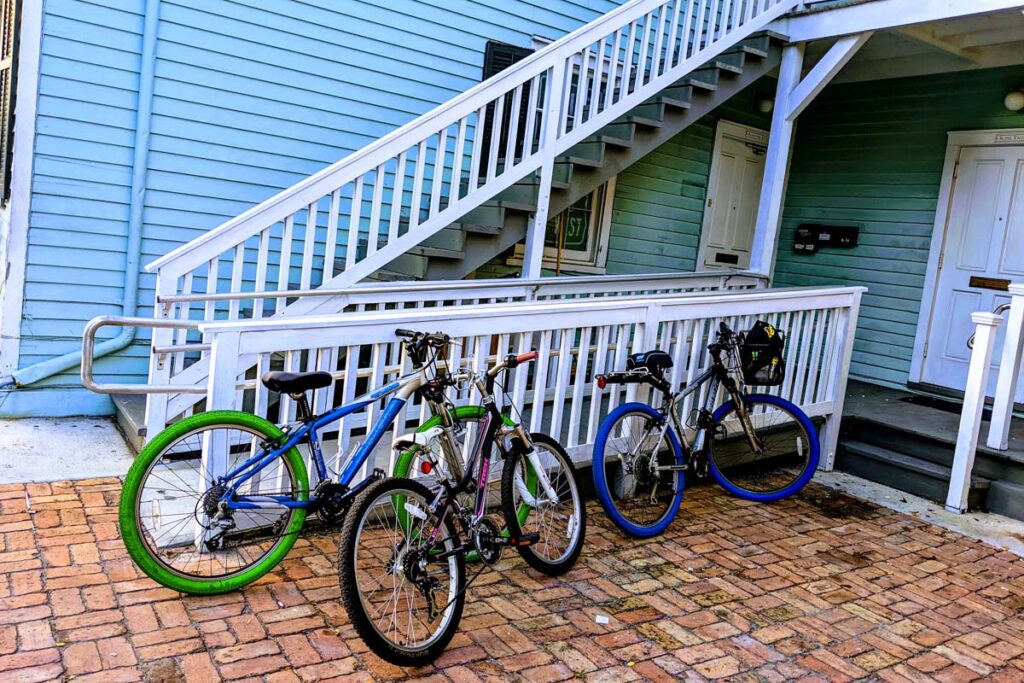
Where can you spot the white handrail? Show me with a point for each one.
(577, 339)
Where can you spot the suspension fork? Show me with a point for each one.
(744, 415)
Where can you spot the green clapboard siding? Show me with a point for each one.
(871, 154)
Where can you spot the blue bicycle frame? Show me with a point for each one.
(405, 386)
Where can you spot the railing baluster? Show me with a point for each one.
(309, 245)
(397, 198)
(437, 179)
(285, 263)
(352, 250)
(458, 162)
(373, 232)
(260, 285)
(613, 71)
(628, 66)
(656, 60)
(181, 335)
(641, 72)
(581, 88)
(562, 369)
(492, 153)
(331, 247)
(579, 382)
(478, 143)
(513, 129)
(212, 275)
(416, 196)
(670, 53)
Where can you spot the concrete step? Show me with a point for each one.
(130, 412)
(1006, 498)
(904, 472)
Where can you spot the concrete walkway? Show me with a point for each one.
(58, 449)
(820, 587)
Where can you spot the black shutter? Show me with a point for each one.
(497, 58)
(10, 21)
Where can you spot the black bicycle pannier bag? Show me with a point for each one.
(761, 357)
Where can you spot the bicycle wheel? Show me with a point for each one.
(560, 526)
(166, 505)
(403, 601)
(787, 455)
(632, 443)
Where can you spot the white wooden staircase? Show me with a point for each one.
(496, 225)
(431, 199)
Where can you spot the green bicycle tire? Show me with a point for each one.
(472, 412)
(132, 536)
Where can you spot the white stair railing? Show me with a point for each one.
(1009, 371)
(576, 339)
(983, 350)
(354, 217)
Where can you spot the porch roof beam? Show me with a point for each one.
(925, 35)
(823, 72)
(882, 14)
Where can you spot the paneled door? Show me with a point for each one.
(734, 188)
(982, 253)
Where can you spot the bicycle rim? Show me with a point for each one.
(786, 454)
(173, 506)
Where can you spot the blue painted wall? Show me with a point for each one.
(250, 97)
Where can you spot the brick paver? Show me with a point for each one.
(821, 587)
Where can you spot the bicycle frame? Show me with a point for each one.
(405, 387)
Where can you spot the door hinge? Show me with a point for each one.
(925, 351)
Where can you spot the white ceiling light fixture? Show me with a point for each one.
(1014, 101)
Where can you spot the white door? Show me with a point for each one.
(737, 168)
(983, 252)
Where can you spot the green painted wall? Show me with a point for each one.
(871, 154)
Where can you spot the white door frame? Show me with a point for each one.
(957, 140)
(723, 128)
(12, 292)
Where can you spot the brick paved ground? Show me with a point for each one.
(823, 587)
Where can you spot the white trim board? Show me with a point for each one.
(13, 289)
(723, 128)
(957, 140)
(881, 14)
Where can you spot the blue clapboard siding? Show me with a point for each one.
(250, 97)
(871, 154)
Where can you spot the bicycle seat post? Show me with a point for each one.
(302, 410)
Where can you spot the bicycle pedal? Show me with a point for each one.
(522, 541)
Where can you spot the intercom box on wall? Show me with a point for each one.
(810, 237)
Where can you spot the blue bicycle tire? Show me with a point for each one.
(604, 494)
(796, 485)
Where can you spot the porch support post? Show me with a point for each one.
(792, 97)
(1009, 372)
(533, 258)
(776, 168)
(974, 403)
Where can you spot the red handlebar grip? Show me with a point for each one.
(526, 357)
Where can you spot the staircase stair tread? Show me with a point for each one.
(748, 50)
(610, 140)
(579, 161)
(640, 120)
(904, 461)
(725, 66)
(481, 229)
(436, 252)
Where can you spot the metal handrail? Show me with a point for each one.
(998, 310)
(88, 356)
